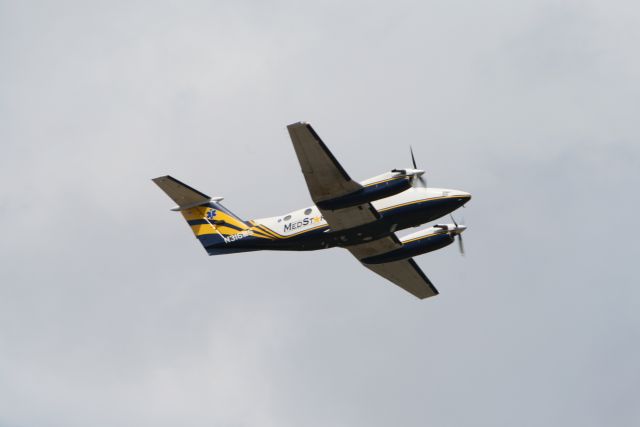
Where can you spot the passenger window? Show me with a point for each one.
(307, 211)
(287, 218)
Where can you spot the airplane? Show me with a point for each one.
(361, 217)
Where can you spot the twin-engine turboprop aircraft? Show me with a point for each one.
(360, 217)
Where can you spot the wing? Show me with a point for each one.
(327, 179)
(407, 275)
(404, 273)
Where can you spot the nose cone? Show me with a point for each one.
(460, 228)
(457, 198)
(461, 197)
(440, 202)
(459, 194)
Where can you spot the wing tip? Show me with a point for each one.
(161, 178)
(434, 293)
(297, 125)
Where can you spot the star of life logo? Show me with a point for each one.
(211, 213)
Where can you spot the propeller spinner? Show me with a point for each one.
(458, 232)
(455, 230)
(417, 179)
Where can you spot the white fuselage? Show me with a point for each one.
(309, 218)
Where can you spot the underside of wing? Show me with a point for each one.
(375, 247)
(343, 219)
(327, 179)
(404, 273)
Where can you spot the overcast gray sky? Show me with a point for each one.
(112, 314)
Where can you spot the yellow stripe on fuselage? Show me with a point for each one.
(419, 238)
(259, 233)
(385, 180)
(281, 236)
(267, 231)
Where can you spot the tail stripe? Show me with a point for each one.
(213, 224)
(268, 231)
(259, 233)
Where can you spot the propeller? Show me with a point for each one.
(458, 232)
(422, 182)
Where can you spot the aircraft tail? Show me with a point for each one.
(211, 223)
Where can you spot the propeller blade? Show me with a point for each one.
(413, 159)
(419, 181)
(460, 244)
(454, 220)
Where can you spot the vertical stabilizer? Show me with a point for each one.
(210, 222)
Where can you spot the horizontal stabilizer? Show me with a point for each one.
(184, 196)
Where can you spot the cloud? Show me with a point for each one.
(111, 313)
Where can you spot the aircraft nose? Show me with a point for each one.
(461, 194)
(461, 197)
(458, 198)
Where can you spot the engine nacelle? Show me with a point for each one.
(418, 243)
(385, 185)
